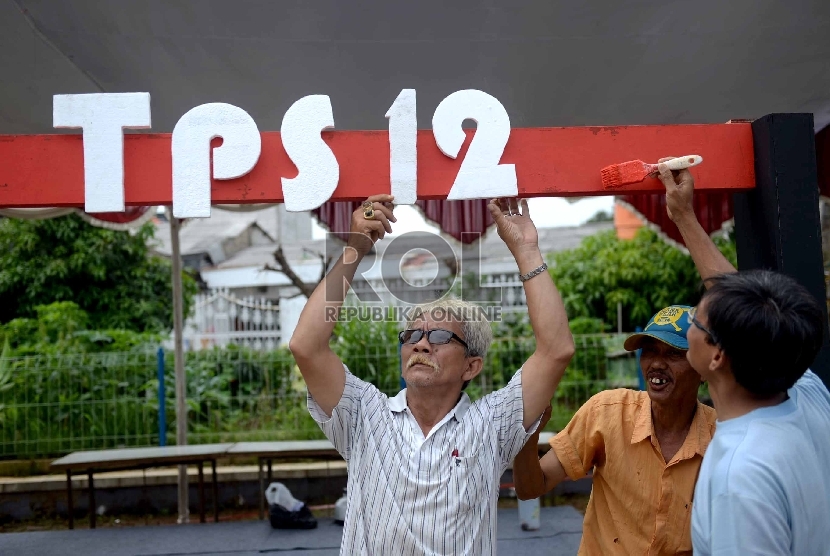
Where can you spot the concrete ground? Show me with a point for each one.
(559, 535)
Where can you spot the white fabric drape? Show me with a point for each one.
(46, 213)
(35, 213)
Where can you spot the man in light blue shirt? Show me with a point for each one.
(763, 486)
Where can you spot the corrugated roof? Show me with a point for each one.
(551, 240)
(200, 235)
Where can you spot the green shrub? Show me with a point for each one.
(371, 351)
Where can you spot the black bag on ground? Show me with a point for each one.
(281, 518)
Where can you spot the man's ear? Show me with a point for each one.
(474, 367)
(719, 361)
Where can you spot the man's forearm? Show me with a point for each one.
(707, 257)
(554, 344)
(528, 477)
(322, 370)
(547, 313)
(320, 366)
(319, 316)
(680, 187)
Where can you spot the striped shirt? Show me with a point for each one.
(409, 494)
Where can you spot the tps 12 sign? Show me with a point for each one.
(103, 117)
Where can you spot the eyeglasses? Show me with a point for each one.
(436, 336)
(693, 320)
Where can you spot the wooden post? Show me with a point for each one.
(261, 489)
(92, 507)
(181, 381)
(215, 492)
(201, 493)
(70, 508)
(777, 224)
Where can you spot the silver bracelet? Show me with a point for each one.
(534, 272)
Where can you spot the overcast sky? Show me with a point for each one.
(547, 212)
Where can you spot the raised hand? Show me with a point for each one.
(371, 222)
(680, 186)
(515, 227)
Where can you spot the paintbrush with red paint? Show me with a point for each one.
(636, 170)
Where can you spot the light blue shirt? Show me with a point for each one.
(763, 486)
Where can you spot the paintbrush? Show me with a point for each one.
(637, 170)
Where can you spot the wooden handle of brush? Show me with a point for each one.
(683, 162)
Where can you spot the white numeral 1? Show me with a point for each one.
(403, 150)
(480, 176)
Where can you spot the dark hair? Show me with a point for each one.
(769, 326)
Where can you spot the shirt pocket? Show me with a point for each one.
(470, 482)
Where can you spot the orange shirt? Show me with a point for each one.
(639, 504)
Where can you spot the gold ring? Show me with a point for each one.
(368, 210)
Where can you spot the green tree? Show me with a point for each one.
(643, 274)
(370, 349)
(601, 216)
(61, 328)
(110, 275)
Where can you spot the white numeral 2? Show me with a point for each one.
(403, 153)
(481, 175)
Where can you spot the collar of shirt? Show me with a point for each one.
(771, 412)
(398, 404)
(697, 440)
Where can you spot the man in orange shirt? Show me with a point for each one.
(645, 449)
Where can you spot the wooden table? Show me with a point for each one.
(93, 461)
(269, 451)
(90, 462)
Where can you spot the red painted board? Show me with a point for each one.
(47, 170)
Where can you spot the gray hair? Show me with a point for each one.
(474, 324)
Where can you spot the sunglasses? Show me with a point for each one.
(436, 336)
(693, 320)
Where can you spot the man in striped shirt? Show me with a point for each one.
(425, 465)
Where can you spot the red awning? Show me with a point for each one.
(712, 209)
(455, 218)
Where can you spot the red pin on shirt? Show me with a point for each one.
(455, 453)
